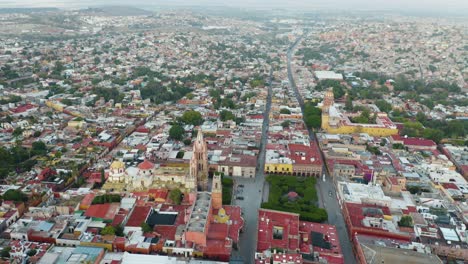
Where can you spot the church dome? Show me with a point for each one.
(117, 164)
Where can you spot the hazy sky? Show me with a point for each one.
(437, 6)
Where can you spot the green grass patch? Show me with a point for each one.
(305, 205)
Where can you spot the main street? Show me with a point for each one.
(325, 189)
(253, 192)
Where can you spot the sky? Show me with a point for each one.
(436, 6)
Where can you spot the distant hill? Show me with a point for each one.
(28, 10)
(117, 11)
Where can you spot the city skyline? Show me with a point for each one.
(435, 7)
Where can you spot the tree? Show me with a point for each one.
(312, 116)
(119, 231)
(108, 230)
(17, 132)
(285, 124)
(192, 117)
(285, 111)
(225, 115)
(37, 134)
(175, 196)
(39, 148)
(433, 134)
(146, 228)
(421, 117)
(406, 221)
(176, 132)
(15, 195)
(349, 104)
(31, 252)
(5, 253)
(383, 105)
(66, 101)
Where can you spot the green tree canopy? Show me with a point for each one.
(192, 117)
(108, 230)
(39, 148)
(176, 196)
(383, 105)
(15, 195)
(31, 252)
(146, 228)
(312, 116)
(406, 221)
(225, 115)
(5, 253)
(176, 132)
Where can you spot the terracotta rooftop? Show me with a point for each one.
(146, 165)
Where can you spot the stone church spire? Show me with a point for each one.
(199, 162)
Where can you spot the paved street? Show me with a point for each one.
(253, 191)
(325, 190)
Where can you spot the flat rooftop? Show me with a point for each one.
(379, 254)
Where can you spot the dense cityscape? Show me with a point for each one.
(229, 136)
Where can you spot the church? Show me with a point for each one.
(336, 121)
(148, 175)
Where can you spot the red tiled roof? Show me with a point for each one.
(166, 232)
(217, 247)
(267, 219)
(237, 222)
(146, 165)
(88, 199)
(118, 219)
(158, 193)
(142, 129)
(139, 215)
(255, 117)
(217, 231)
(23, 108)
(450, 185)
(411, 141)
(302, 154)
(105, 211)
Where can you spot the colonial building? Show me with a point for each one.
(148, 175)
(336, 122)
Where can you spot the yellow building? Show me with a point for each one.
(76, 123)
(278, 168)
(336, 122)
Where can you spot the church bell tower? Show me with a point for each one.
(199, 162)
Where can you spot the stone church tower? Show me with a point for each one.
(199, 163)
(217, 192)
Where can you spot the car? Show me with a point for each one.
(241, 185)
(240, 198)
(330, 193)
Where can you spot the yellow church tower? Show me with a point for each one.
(328, 101)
